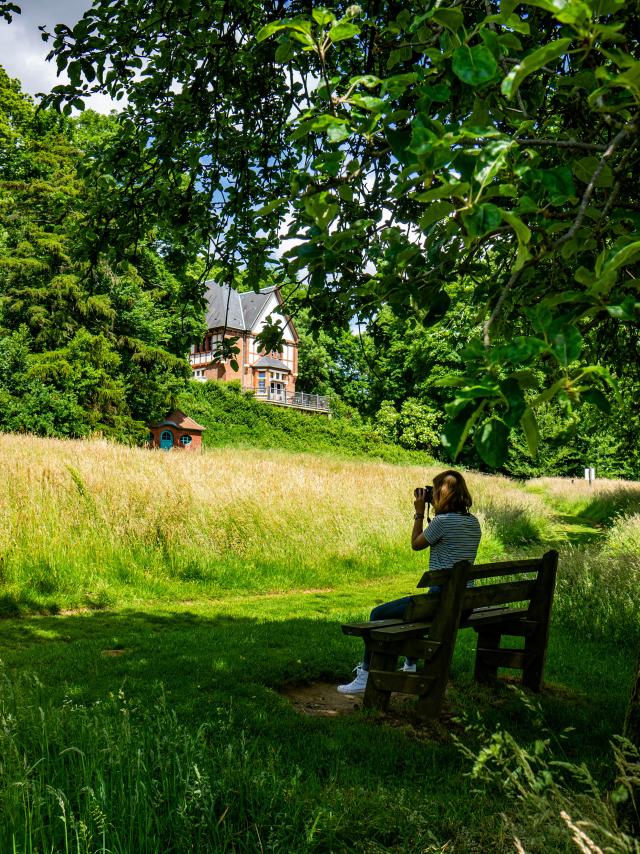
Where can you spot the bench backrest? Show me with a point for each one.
(533, 585)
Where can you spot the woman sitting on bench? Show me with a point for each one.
(453, 534)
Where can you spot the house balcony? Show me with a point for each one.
(197, 359)
(297, 400)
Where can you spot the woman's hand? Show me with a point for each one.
(418, 541)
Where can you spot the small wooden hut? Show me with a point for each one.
(177, 430)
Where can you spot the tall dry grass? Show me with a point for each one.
(84, 522)
(599, 501)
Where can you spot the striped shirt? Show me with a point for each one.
(452, 537)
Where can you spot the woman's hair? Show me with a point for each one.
(450, 493)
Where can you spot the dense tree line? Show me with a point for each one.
(93, 324)
(390, 374)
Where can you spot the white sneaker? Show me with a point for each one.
(408, 668)
(359, 684)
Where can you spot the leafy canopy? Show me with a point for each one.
(398, 150)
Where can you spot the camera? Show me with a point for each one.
(428, 494)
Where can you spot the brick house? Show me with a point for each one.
(177, 430)
(271, 376)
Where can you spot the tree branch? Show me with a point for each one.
(584, 204)
(564, 143)
(513, 278)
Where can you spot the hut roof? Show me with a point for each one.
(178, 419)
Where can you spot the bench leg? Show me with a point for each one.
(536, 649)
(374, 698)
(430, 704)
(484, 672)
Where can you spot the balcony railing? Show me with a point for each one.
(298, 399)
(201, 358)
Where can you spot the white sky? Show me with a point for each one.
(22, 51)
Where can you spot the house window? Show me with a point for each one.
(185, 440)
(261, 380)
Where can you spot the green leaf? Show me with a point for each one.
(626, 310)
(285, 52)
(456, 431)
(511, 21)
(321, 209)
(370, 81)
(549, 393)
(512, 392)
(436, 211)
(530, 427)
(566, 344)
(584, 169)
(543, 56)
(597, 398)
(475, 66)
(522, 231)
(271, 206)
(337, 130)
(611, 260)
(491, 441)
(368, 102)
(269, 29)
(322, 16)
(446, 191)
(567, 11)
(524, 237)
(452, 18)
(341, 31)
(482, 219)
(397, 84)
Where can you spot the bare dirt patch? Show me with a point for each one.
(321, 700)
(113, 653)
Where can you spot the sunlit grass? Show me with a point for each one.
(217, 578)
(92, 523)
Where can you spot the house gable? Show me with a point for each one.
(243, 316)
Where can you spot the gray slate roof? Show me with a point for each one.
(240, 310)
(270, 362)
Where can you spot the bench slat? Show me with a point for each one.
(412, 647)
(405, 683)
(361, 629)
(401, 630)
(492, 614)
(498, 594)
(484, 570)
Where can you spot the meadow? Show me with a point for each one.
(155, 605)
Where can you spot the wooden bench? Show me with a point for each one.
(516, 602)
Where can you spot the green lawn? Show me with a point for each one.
(145, 717)
(189, 691)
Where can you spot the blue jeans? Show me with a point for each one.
(387, 611)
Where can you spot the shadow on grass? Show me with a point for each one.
(515, 526)
(16, 606)
(205, 660)
(604, 508)
(579, 530)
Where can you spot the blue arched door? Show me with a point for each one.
(166, 440)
